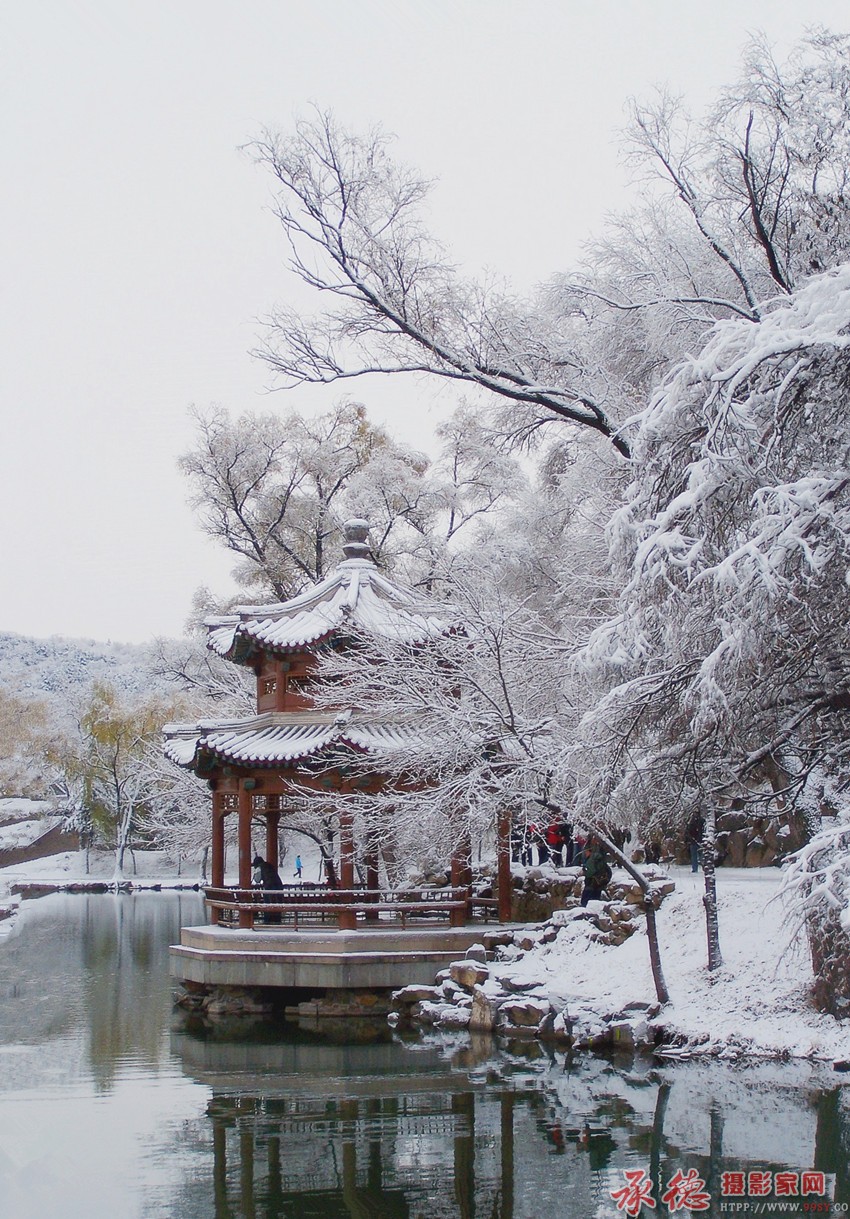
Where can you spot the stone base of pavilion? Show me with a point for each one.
(334, 971)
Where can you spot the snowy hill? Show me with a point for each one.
(59, 668)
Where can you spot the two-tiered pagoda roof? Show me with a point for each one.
(356, 597)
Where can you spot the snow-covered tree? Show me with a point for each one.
(177, 812)
(26, 768)
(480, 718)
(817, 886)
(276, 491)
(272, 489)
(739, 206)
(728, 660)
(352, 217)
(209, 684)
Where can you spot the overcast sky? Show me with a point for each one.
(140, 254)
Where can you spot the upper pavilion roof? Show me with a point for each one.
(354, 595)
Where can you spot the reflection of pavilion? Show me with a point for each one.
(356, 1158)
(301, 1129)
(367, 1134)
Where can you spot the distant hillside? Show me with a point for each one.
(63, 669)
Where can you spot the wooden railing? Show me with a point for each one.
(295, 906)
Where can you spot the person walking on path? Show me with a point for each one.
(297, 866)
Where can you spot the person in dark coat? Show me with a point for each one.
(693, 837)
(597, 871)
(269, 877)
(269, 881)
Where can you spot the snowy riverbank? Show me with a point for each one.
(757, 1005)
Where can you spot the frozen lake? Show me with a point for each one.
(111, 1105)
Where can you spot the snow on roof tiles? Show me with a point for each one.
(276, 739)
(354, 595)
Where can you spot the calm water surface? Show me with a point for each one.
(110, 1105)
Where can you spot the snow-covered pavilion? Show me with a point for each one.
(253, 764)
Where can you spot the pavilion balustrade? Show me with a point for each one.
(296, 906)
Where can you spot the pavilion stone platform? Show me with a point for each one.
(319, 960)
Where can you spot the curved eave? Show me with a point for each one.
(354, 596)
(270, 742)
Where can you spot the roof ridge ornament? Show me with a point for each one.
(356, 546)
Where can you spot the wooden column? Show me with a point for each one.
(272, 820)
(246, 787)
(347, 918)
(217, 865)
(373, 878)
(503, 864)
(461, 875)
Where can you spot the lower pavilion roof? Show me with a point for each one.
(280, 738)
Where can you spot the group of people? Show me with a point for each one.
(549, 842)
(556, 843)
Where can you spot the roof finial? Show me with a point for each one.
(356, 534)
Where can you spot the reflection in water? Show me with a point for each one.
(443, 1128)
(338, 1119)
(124, 951)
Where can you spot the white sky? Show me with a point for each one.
(140, 253)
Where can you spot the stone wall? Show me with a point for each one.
(535, 895)
(745, 841)
(51, 842)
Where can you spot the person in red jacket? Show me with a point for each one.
(555, 843)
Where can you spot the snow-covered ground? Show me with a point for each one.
(757, 1004)
(151, 867)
